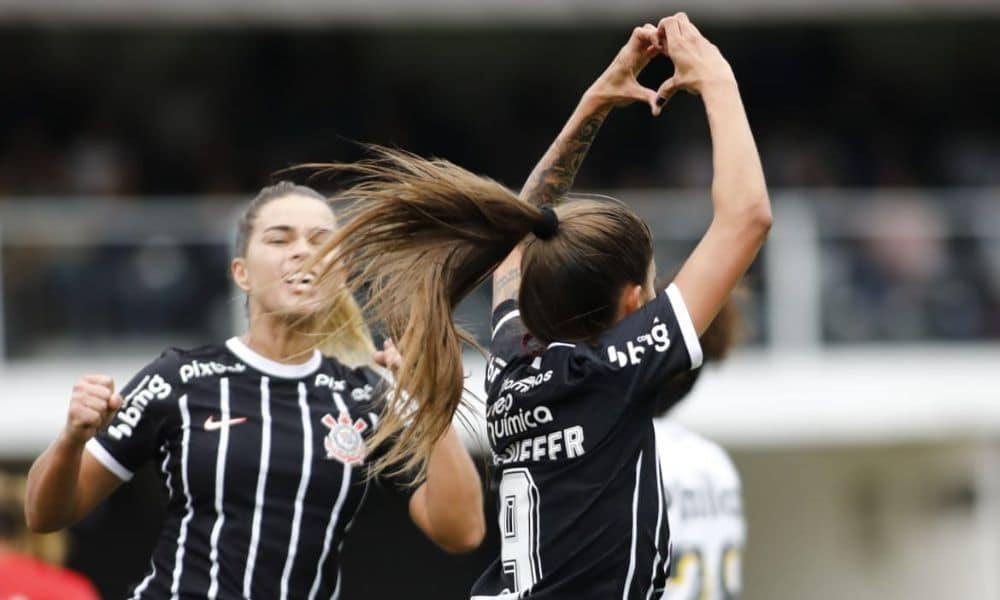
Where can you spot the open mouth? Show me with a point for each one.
(300, 278)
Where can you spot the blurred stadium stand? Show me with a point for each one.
(864, 412)
(309, 13)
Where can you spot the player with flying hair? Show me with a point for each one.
(261, 441)
(569, 418)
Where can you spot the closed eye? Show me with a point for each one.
(320, 238)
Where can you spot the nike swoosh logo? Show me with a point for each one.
(211, 425)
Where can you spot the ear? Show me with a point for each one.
(632, 298)
(238, 269)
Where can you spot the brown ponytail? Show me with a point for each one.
(422, 234)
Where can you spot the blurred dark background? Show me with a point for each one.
(183, 111)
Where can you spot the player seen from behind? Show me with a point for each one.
(580, 505)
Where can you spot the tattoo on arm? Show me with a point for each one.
(506, 286)
(551, 180)
(553, 175)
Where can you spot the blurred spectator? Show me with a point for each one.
(801, 156)
(986, 224)
(98, 165)
(971, 158)
(29, 562)
(903, 280)
(29, 163)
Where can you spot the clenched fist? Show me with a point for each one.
(92, 405)
(389, 357)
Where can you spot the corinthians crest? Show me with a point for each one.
(344, 442)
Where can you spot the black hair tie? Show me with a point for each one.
(548, 225)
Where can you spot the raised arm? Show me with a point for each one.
(553, 176)
(65, 483)
(741, 215)
(448, 505)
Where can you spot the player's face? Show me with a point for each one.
(287, 233)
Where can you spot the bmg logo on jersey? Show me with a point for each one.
(493, 368)
(344, 442)
(658, 339)
(151, 387)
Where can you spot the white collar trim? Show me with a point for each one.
(270, 367)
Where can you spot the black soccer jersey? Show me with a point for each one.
(264, 464)
(580, 505)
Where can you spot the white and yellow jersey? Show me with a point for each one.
(704, 503)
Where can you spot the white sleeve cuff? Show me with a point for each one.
(110, 462)
(507, 317)
(687, 327)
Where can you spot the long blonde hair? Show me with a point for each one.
(338, 328)
(342, 332)
(422, 234)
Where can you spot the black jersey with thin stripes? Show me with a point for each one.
(264, 464)
(580, 506)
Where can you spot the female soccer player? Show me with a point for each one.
(580, 505)
(703, 492)
(261, 441)
(701, 485)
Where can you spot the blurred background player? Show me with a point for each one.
(29, 562)
(702, 486)
(261, 440)
(580, 502)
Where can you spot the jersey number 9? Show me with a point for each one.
(519, 501)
